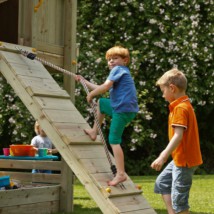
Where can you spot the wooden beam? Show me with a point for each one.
(28, 196)
(25, 22)
(66, 191)
(70, 45)
(30, 164)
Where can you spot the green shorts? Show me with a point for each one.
(118, 123)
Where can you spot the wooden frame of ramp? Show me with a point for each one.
(52, 107)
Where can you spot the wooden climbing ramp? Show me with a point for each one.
(52, 107)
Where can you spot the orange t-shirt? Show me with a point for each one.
(188, 152)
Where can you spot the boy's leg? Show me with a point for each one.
(168, 202)
(119, 161)
(118, 124)
(182, 182)
(163, 186)
(93, 132)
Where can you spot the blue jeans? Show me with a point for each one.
(175, 181)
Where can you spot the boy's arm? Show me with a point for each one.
(101, 89)
(90, 85)
(174, 142)
(52, 151)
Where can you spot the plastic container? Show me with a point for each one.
(21, 150)
(42, 152)
(6, 151)
(5, 181)
(32, 152)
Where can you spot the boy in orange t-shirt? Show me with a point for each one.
(175, 180)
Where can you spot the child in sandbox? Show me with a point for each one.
(122, 106)
(42, 141)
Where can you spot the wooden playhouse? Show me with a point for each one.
(54, 108)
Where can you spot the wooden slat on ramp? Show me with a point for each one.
(51, 106)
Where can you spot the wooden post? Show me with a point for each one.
(66, 192)
(70, 45)
(25, 23)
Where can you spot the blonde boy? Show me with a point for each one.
(175, 180)
(122, 105)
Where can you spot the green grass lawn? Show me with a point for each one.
(201, 196)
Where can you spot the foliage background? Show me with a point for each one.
(160, 35)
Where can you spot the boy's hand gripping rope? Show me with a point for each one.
(92, 104)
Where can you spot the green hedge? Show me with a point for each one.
(160, 35)
(16, 123)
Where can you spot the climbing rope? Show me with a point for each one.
(33, 56)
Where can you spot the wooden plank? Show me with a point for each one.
(50, 48)
(143, 211)
(29, 196)
(9, 74)
(54, 104)
(65, 128)
(35, 178)
(30, 67)
(36, 75)
(41, 83)
(95, 165)
(52, 58)
(76, 139)
(25, 70)
(61, 116)
(61, 94)
(55, 20)
(73, 133)
(30, 164)
(13, 59)
(36, 208)
(8, 47)
(47, 23)
(89, 151)
(130, 187)
(58, 16)
(131, 203)
(116, 191)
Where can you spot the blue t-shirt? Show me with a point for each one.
(123, 93)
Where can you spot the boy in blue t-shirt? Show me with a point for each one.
(122, 106)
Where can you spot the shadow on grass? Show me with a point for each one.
(82, 198)
(163, 211)
(200, 213)
(83, 210)
(160, 211)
